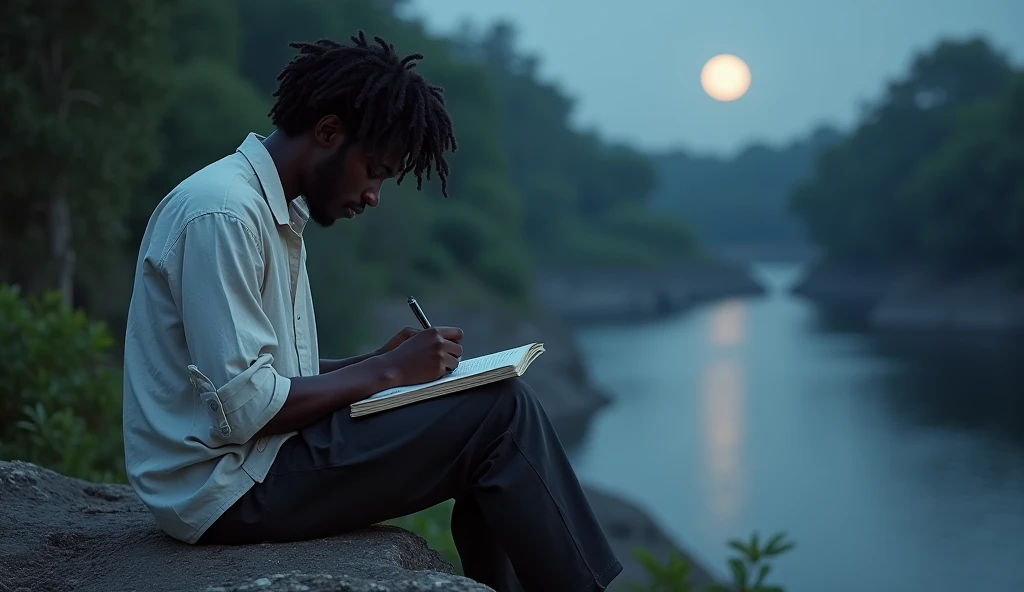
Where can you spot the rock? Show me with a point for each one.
(981, 302)
(628, 528)
(558, 376)
(300, 582)
(919, 299)
(61, 534)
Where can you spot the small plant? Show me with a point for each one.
(748, 570)
(752, 560)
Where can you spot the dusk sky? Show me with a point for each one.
(634, 67)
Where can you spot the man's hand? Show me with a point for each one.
(403, 335)
(426, 355)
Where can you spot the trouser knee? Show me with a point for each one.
(515, 392)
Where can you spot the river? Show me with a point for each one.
(894, 464)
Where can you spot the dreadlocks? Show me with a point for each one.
(368, 86)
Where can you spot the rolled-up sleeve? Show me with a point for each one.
(229, 336)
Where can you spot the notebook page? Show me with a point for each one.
(466, 368)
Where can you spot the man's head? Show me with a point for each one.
(364, 116)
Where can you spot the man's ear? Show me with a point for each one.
(329, 133)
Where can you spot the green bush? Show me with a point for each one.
(749, 569)
(60, 402)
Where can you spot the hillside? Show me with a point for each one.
(743, 200)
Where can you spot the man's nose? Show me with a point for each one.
(372, 198)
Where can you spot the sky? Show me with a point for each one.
(634, 67)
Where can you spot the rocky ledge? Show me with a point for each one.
(60, 534)
(919, 299)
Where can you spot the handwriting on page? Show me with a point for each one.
(488, 362)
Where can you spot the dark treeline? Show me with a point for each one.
(742, 200)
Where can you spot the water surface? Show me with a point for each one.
(895, 464)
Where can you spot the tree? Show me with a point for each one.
(970, 192)
(854, 204)
(570, 181)
(83, 82)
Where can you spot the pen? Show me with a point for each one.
(416, 310)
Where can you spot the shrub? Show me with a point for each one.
(749, 569)
(60, 403)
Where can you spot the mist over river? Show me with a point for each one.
(895, 463)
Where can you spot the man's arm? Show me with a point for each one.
(328, 366)
(216, 280)
(312, 398)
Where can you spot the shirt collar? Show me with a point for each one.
(266, 171)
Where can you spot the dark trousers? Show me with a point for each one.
(521, 521)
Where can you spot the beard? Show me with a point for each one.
(323, 186)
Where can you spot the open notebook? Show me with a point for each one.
(470, 373)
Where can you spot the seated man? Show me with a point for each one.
(237, 432)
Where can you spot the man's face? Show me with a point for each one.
(344, 181)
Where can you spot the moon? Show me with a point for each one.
(725, 77)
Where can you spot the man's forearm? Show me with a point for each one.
(311, 398)
(327, 366)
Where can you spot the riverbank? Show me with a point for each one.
(581, 294)
(918, 299)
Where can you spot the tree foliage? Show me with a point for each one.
(571, 181)
(82, 97)
(933, 171)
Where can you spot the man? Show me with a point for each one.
(237, 432)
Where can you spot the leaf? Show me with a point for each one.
(739, 573)
(740, 547)
(762, 573)
(777, 546)
(772, 542)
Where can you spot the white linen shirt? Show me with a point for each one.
(220, 320)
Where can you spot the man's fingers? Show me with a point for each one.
(450, 333)
(454, 349)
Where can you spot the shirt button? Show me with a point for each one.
(225, 430)
(214, 406)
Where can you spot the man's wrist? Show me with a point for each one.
(384, 370)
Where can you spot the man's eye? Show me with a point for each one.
(371, 173)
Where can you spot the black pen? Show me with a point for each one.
(416, 310)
